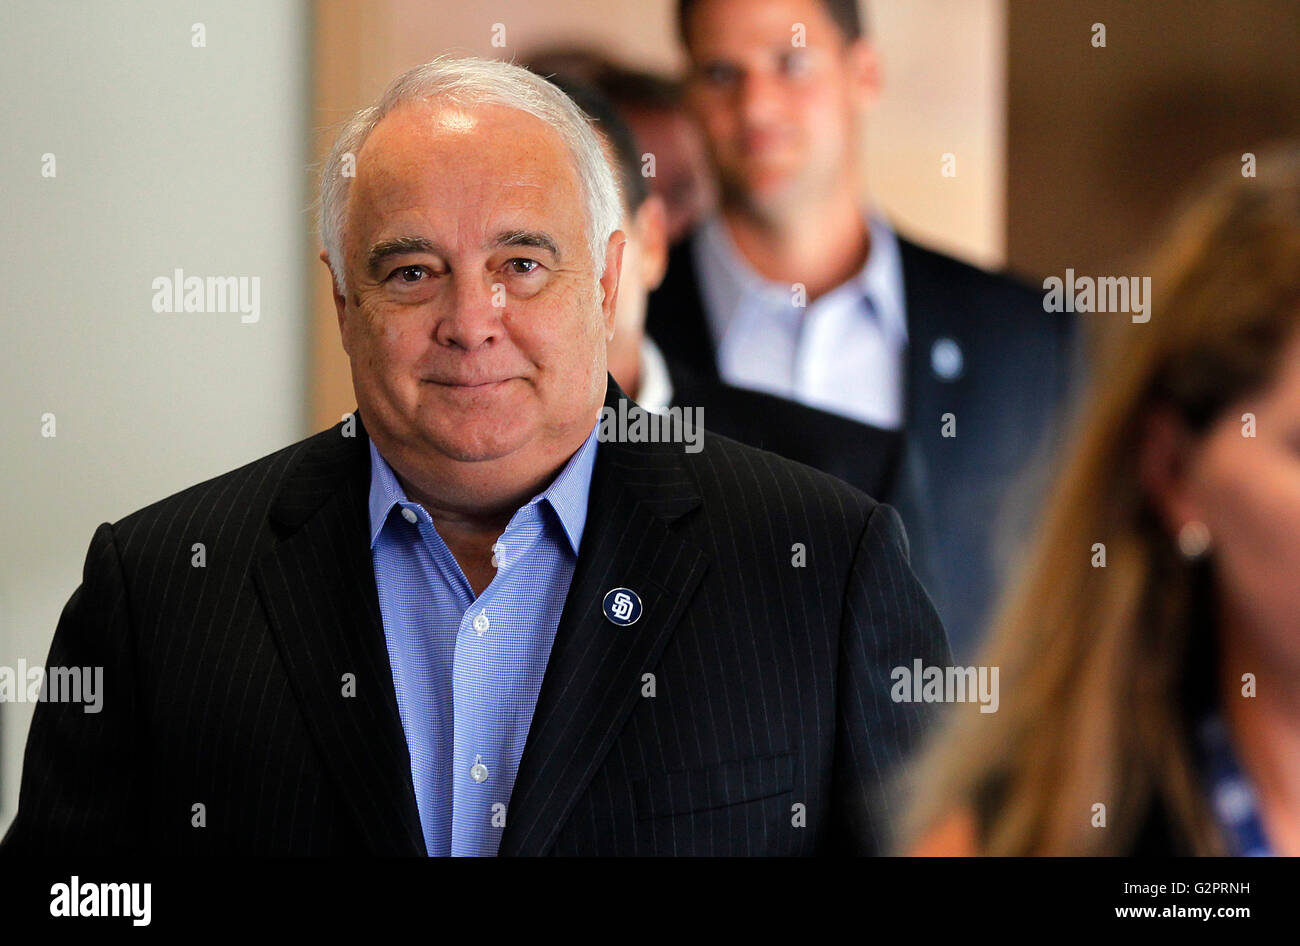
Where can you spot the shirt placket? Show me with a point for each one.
(487, 646)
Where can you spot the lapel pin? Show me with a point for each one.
(946, 359)
(622, 606)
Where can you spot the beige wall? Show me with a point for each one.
(1105, 141)
(943, 72)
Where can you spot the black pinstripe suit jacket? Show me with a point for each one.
(770, 729)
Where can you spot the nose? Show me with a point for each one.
(756, 95)
(471, 320)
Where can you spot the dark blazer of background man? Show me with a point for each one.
(984, 372)
(748, 709)
(951, 492)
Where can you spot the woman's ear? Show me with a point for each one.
(1165, 453)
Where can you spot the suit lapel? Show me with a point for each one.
(676, 319)
(593, 678)
(930, 316)
(318, 588)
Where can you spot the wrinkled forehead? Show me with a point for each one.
(471, 171)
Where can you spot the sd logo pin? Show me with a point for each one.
(622, 606)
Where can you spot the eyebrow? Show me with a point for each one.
(401, 246)
(386, 249)
(534, 238)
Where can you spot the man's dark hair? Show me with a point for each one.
(844, 13)
(626, 87)
(609, 125)
(635, 90)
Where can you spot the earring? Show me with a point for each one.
(1194, 540)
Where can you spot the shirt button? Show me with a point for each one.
(409, 514)
(478, 772)
(481, 625)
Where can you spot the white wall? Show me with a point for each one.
(167, 156)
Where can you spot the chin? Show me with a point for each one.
(768, 185)
(474, 434)
(475, 443)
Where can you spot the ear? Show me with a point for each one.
(864, 71)
(1164, 457)
(340, 302)
(610, 278)
(651, 225)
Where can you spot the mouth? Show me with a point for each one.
(468, 386)
(764, 141)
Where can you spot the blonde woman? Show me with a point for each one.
(1150, 656)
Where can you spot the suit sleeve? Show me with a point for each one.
(80, 791)
(887, 622)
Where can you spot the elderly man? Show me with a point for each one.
(461, 622)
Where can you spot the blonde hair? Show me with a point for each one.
(1103, 668)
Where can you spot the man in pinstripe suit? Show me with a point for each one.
(461, 622)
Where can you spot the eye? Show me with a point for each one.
(409, 274)
(719, 74)
(794, 63)
(522, 266)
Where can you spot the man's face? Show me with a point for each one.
(474, 317)
(683, 176)
(781, 119)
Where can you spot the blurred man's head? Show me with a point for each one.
(470, 223)
(654, 108)
(644, 223)
(779, 87)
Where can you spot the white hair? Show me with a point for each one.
(469, 83)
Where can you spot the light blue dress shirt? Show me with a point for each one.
(467, 670)
(842, 352)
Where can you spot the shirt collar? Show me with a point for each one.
(729, 282)
(655, 392)
(567, 494)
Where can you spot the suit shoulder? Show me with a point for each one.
(748, 475)
(246, 490)
(963, 276)
(1003, 304)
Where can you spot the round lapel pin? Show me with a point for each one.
(622, 606)
(946, 359)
